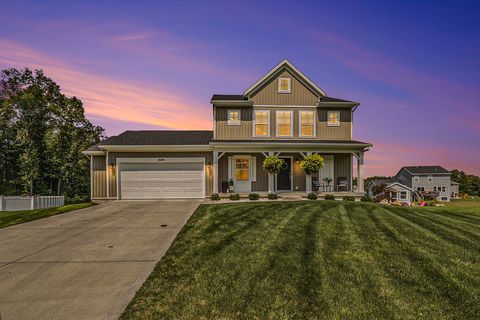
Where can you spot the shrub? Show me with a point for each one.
(215, 197)
(312, 196)
(366, 199)
(272, 196)
(253, 196)
(348, 198)
(312, 163)
(234, 196)
(273, 164)
(329, 197)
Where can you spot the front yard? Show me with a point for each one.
(318, 260)
(10, 218)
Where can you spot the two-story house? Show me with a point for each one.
(425, 179)
(284, 113)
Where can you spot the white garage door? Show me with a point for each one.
(162, 180)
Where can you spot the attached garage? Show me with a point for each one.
(161, 178)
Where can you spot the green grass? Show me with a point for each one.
(10, 218)
(318, 260)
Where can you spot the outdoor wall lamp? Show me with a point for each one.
(297, 161)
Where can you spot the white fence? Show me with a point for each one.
(30, 203)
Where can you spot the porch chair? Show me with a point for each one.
(315, 185)
(342, 182)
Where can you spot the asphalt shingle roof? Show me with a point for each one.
(331, 99)
(161, 137)
(229, 97)
(94, 148)
(426, 169)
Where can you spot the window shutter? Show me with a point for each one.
(253, 169)
(230, 169)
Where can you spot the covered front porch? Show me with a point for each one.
(239, 168)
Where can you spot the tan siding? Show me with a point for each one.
(226, 132)
(99, 187)
(112, 158)
(300, 96)
(342, 167)
(343, 132)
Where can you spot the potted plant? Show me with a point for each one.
(224, 186)
(311, 164)
(328, 180)
(230, 185)
(273, 164)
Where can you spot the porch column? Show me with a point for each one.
(308, 179)
(215, 171)
(271, 188)
(360, 165)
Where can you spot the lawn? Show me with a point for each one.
(10, 218)
(318, 260)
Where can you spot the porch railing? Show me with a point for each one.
(15, 203)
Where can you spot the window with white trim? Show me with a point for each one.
(333, 118)
(261, 125)
(284, 123)
(307, 123)
(421, 189)
(403, 195)
(284, 85)
(233, 117)
(242, 169)
(416, 178)
(430, 178)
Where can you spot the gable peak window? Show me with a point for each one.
(285, 123)
(284, 85)
(233, 117)
(333, 118)
(307, 123)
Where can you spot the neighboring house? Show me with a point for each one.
(284, 113)
(399, 191)
(425, 179)
(454, 190)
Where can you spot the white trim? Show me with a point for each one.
(93, 153)
(255, 122)
(300, 123)
(337, 124)
(106, 175)
(275, 69)
(91, 178)
(231, 123)
(281, 106)
(156, 160)
(291, 175)
(158, 148)
(430, 178)
(291, 124)
(214, 123)
(289, 90)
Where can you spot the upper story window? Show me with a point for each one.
(261, 125)
(233, 117)
(285, 123)
(284, 85)
(430, 178)
(416, 178)
(333, 118)
(307, 123)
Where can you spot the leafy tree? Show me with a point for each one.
(469, 184)
(42, 135)
(312, 163)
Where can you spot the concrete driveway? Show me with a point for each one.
(86, 264)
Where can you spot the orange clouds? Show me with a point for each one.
(114, 98)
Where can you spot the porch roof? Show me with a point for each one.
(291, 145)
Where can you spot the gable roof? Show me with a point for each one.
(285, 64)
(160, 137)
(426, 170)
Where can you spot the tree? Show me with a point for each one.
(42, 135)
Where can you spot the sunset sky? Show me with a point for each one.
(414, 66)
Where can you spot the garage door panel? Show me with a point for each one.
(167, 181)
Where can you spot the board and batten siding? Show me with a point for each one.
(112, 158)
(99, 187)
(300, 95)
(228, 132)
(261, 183)
(342, 167)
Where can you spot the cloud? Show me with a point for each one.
(111, 98)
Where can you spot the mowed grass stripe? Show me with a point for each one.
(315, 260)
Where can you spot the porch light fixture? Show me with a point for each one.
(209, 168)
(297, 161)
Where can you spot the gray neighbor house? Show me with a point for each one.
(412, 180)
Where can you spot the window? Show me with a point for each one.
(284, 124)
(233, 117)
(307, 123)
(435, 189)
(284, 85)
(242, 169)
(261, 126)
(333, 118)
(421, 189)
(443, 189)
(430, 178)
(444, 199)
(416, 178)
(403, 195)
